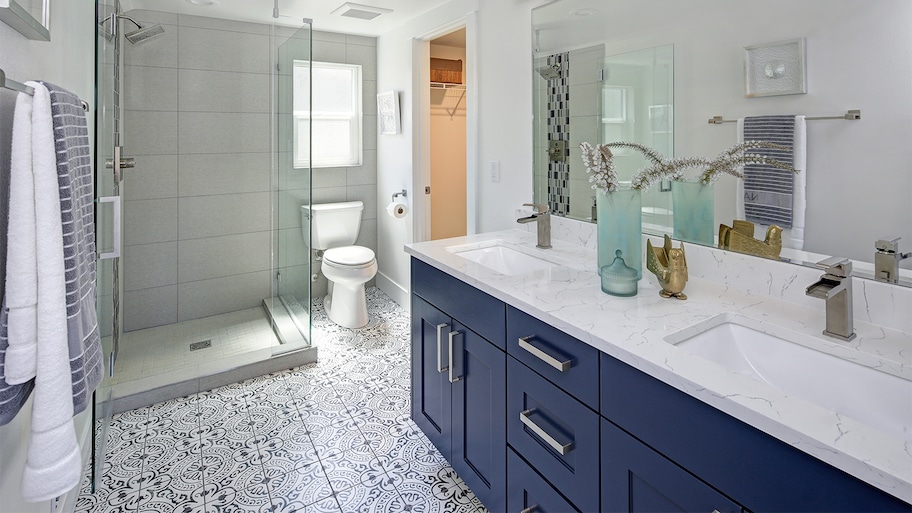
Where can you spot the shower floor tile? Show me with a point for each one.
(333, 436)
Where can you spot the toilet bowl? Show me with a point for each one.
(348, 268)
(333, 228)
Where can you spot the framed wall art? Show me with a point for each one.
(773, 69)
(388, 113)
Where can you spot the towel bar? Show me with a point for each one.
(12, 85)
(851, 115)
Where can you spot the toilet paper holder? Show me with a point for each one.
(401, 193)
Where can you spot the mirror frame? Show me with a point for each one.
(24, 23)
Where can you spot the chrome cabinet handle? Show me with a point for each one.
(457, 378)
(524, 418)
(530, 509)
(440, 368)
(543, 356)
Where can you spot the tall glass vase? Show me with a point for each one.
(620, 227)
(692, 203)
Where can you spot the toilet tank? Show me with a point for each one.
(332, 224)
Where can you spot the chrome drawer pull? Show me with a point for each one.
(543, 356)
(530, 509)
(457, 378)
(524, 418)
(440, 368)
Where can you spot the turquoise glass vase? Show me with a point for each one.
(692, 203)
(620, 227)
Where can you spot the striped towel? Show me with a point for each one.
(768, 190)
(74, 175)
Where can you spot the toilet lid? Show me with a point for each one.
(349, 255)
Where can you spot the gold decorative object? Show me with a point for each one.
(670, 267)
(740, 237)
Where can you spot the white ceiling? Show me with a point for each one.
(292, 11)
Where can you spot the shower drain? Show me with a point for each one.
(201, 345)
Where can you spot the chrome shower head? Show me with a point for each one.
(550, 72)
(144, 34)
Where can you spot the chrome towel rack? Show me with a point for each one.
(851, 115)
(12, 85)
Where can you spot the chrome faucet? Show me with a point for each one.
(542, 216)
(886, 259)
(835, 287)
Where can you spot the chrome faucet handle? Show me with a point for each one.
(537, 208)
(837, 266)
(888, 245)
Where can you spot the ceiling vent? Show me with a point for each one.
(359, 11)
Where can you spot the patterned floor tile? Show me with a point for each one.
(334, 436)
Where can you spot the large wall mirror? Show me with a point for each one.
(655, 72)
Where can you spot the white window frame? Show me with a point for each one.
(355, 157)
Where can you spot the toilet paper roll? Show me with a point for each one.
(397, 209)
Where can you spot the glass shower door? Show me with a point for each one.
(108, 224)
(290, 304)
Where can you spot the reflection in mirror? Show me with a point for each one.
(859, 56)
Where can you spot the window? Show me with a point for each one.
(336, 115)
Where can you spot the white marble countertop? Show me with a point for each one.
(634, 330)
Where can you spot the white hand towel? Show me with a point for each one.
(53, 464)
(21, 291)
(791, 237)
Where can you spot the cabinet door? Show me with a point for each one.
(479, 425)
(431, 391)
(637, 479)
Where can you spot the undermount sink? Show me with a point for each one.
(504, 260)
(773, 355)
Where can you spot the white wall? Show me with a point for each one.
(68, 60)
(504, 106)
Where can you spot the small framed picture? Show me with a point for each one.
(773, 69)
(388, 113)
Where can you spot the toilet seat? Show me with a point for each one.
(349, 257)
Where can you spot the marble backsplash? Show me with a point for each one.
(881, 304)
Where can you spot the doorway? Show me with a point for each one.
(447, 137)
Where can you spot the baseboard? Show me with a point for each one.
(396, 292)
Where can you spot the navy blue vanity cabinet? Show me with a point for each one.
(459, 380)
(556, 434)
(563, 360)
(479, 425)
(431, 390)
(751, 467)
(528, 491)
(636, 479)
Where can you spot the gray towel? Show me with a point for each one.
(768, 190)
(74, 174)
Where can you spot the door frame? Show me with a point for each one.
(421, 135)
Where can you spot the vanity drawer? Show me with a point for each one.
(555, 433)
(480, 312)
(565, 361)
(526, 489)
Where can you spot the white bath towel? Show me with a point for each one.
(21, 291)
(53, 463)
(791, 237)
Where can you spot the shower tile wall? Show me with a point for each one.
(558, 122)
(197, 212)
(585, 89)
(334, 184)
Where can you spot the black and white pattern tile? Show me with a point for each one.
(334, 436)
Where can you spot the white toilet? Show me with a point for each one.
(334, 228)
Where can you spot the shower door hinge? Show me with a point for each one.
(427, 189)
(601, 75)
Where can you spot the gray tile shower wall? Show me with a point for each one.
(198, 212)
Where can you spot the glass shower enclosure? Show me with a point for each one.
(191, 215)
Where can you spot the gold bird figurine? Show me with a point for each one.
(670, 267)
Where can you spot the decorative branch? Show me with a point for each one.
(669, 169)
(734, 158)
(599, 162)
